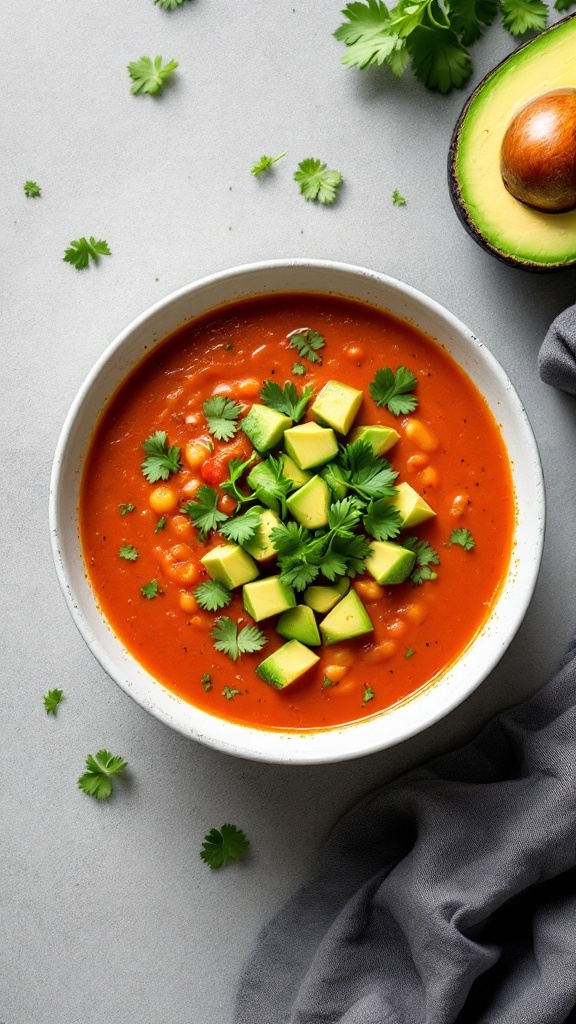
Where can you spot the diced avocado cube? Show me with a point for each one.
(291, 471)
(310, 445)
(348, 619)
(299, 624)
(267, 597)
(336, 406)
(389, 562)
(336, 480)
(261, 547)
(411, 506)
(265, 427)
(324, 599)
(262, 480)
(231, 565)
(309, 504)
(380, 438)
(287, 664)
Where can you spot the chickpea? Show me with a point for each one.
(188, 603)
(163, 499)
(369, 590)
(421, 435)
(380, 652)
(341, 656)
(397, 628)
(190, 488)
(249, 388)
(459, 505)
(335, 672)
(182, 527)
(417, 462)
(196, 452)
(429, 477)
(416, 613)
(184, 573)
(355, 353)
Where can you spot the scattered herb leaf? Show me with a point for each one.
(233, 643)
(97, 781)
(236, 467)
(409, 653)
(265, 163)
(382, 520)
(327, 682)
(206, 682)
(52, 700)
(230, 693)
(369, 475)
(316, 182)
(221, 415)
(397, 199)
(425, 556)
(169, 5)
(223, 845)
(520, 16)
(160, 525)
(464, 538)
(203, 510)
(368, 694)
(128, 552)
(161, 460)
(307, 343)
(32, 189)
(80, 252)
(150, 590)
(149, 76)
(392, 390)
(212, 595)
(126, 507)
(286, 399)
(242, 529)
(299, 369)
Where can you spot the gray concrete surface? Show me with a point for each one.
(107, 913)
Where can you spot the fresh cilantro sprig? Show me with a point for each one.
(80, 252)
(150, 75)
(382, 520)
(223, 845)
(212, 595)
(125, 507)
(307, 344)
(286, 399)
(425, 557)
(229, 640)
(368, 694)
(236, 470)
(203, 510)
(229, 692)
(393, 389)
(369, 475)
(151, 590)
(298, 369)
(161, 459)
(316, 182)
(52, 700)
(242, 529)
(97, 780)
(265, 163)
(206, 682)
(128, 552)
(221, 416)
(32, 189)
(335, 551)
(464, 538)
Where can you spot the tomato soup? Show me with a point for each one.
(143, 548)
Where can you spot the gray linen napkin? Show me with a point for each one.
(448, 895)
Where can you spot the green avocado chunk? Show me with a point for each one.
(380, 438)
(336, 406)
(310, 445)
(322, 599)
(291, 471)
(264, 427)
(389, 562)
(309, 504)
(299, 624)
(515, 232)
(348, 619)
(261, 547)
(230, 565)
(267, 597)
(287, 664)
(411, 506)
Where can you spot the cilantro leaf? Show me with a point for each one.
(392, 390)
(425, 556)
(367, 34)
(230, 693)
(271, 487)
(299, 369)
(353, 552)
(368, 694)
(212, 595)
(220, 846)
(80, 252)
(221, 415)
(236, 468)
(286, 399)
(229, 641)
(438, 58)
(242, 528)
(128, 552)
(464, 538)
(206, 682)
(52, 700)
(160, 460)
(317, 182)
(151, 590)
(126, 507)
(169, 5)
(97, 781)
(520, 16)
(307, 343)
(409, 653)
(32, 189)
(160, 525)
(468, 18)
(370, 475)
(397, 199)
(382, 520)
(203, 510)
(563, 5)
(343, 516)
(149, 75)
(265, 163)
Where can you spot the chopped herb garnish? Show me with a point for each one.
(80, 252)
(203, 510)
(126, 507)
(169, 5)
(307, 344)
(160, 525)
(32, 189)
(369, 475)
(425, 557)
(233, 643)
(337, 551)
(230, 693)
(213, 595)
(161, 460)
(409, 653)
(265, 163)
(236, 468)
(382, 520)
(316, 182)
(271, 486)
(242, 529)
(299, 369)
(327, 682)
(464, 538)
(397, 199)
(97, 781)
(52, 700)
(149, 75)
(368, 694)
(392, 390)
(128, 552)
(206, 682)
(286, 399)
(150, 590)
(221, 415)
(223, 845)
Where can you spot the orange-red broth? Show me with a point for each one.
(450, 450)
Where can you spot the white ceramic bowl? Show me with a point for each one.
(474, 664)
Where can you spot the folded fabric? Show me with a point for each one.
(557, 360)
(447, 896)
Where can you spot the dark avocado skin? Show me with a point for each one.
(454, 186)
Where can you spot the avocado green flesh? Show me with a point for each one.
(511, 230)
(347, 620)
(286, 665)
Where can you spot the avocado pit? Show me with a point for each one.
(538, 153)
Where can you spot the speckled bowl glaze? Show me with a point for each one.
(452, 686)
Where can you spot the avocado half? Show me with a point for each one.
(515, 233)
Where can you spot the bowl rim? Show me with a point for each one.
(240, 746)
